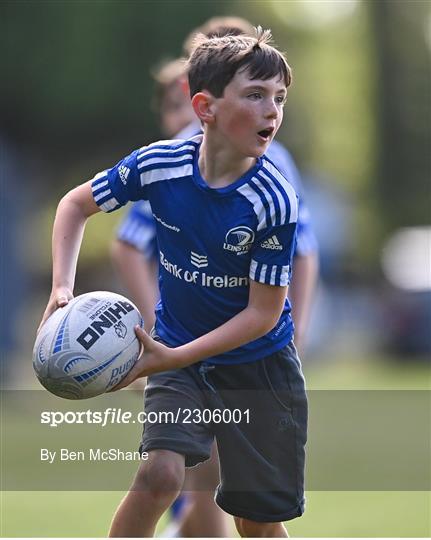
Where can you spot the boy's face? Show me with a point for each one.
(250, 112)
(176, 111)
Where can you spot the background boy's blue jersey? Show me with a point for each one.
(306, 241)
(211, 241)
(138, 228)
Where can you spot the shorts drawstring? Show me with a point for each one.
(203, 370)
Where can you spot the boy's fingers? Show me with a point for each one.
(136, 371)
(141, 333)
(143, 337)
(53, 305)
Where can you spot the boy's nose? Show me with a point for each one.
(272, 110)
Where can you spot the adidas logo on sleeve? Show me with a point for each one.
(272, 243)
(123, 173)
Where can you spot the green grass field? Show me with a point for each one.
(328, 514)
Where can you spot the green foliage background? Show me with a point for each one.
(77, 92)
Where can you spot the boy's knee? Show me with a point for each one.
(238, 525)
(162, 476)
(253, 529)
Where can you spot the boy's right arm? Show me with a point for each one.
(72, 213)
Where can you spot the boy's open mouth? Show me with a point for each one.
(265, 133)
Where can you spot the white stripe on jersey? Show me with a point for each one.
(287, 188)
(272, 279)
(258, 207)
(164, 142)
(149, 150)
(276, 191)
(100, 175)
(100, 184)
(156, 175)
(110, 204)
(253, 267)
(268, 197)
(272, 269)
(101, 195)
(263, 273)
(284, 277)
(157, 160)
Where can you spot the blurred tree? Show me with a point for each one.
(76, 83)
(329, 117)
(78, 72)
(404, 99)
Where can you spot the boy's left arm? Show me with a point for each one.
(301, 294)
(265, 305)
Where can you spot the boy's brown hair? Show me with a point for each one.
(170, 71)
(215, 61)
(219, 27)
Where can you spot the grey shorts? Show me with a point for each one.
(261, 452)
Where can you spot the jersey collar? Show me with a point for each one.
(200, 182)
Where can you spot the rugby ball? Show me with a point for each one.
(87, 347)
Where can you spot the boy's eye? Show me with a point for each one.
(255, 95)
(281, 100)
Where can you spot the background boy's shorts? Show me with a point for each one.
(262, 454)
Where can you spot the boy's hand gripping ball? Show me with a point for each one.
(87, 347)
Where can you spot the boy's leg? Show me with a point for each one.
(203, 517)
(156, 485)
(166, 395)
(254, 529)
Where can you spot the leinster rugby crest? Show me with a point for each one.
(239, 240)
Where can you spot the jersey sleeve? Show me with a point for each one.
(138, 229)
(275, 240)
(117, 186)
(130, 179)
(271, 257)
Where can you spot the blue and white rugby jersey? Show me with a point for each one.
(138, 229)
(211, 241)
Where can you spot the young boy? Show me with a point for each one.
(226, 222)
(134, 251)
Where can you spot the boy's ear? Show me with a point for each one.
(204, 107)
